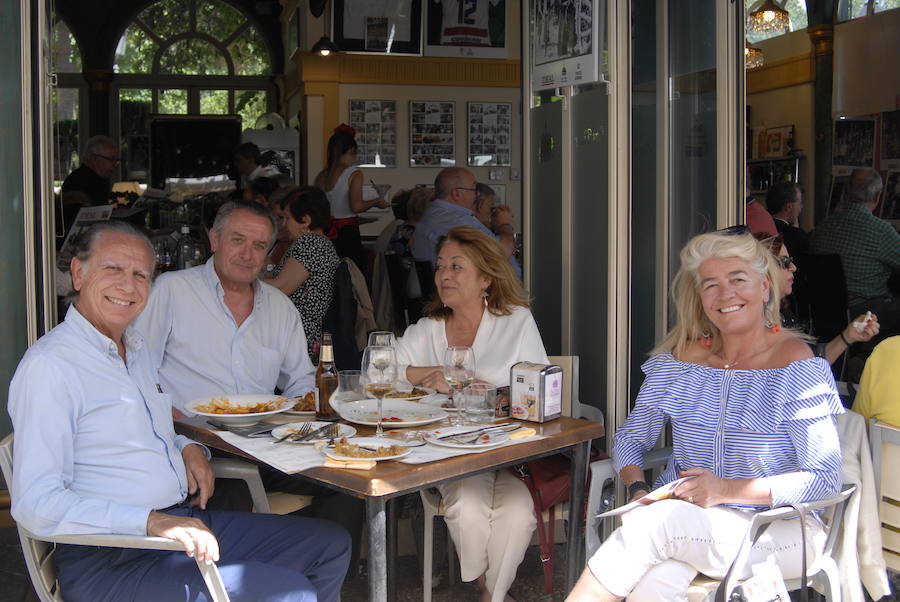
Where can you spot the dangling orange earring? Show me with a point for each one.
(706, 341)
(773, 328)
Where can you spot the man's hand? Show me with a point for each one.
(200, 478)
(193, 534)
(705, 489)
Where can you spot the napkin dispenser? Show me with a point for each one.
(535, 391)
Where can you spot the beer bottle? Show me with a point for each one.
(326, 380)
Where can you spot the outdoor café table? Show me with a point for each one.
(390, 479)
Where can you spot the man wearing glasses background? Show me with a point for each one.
(455, 196)
(89, 185)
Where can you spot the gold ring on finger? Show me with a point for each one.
(690, 499)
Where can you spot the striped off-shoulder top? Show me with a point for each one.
(776, 423)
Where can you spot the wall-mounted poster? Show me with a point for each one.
(565, 43)
(779, 141)
(890, 140)
(490, 140)
(375, 122)
(432, 141)
(389, 26)
(854, 143)
(890, 203)
(466, 28)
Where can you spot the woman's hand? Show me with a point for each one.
(705, 489)
(382, 203)
(871, 329)
(434, 379)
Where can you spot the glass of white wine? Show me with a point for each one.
(382, 338)
(459, 370)
(379, 370)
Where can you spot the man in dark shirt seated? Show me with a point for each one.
(784, 201)
(89, 184)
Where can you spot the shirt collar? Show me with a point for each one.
(131, 337)
(448, 206)
(215, 284)
(859, 207)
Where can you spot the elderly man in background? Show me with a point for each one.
(869, 249)
(784, 201)
(89, 185)
(215, 329)
(456, 192)
(96, 452)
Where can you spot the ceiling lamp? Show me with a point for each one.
(753, 57)
(324, 47)
(769, 18)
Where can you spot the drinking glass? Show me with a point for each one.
(382, 338)
(481, 402)
(349, 388)
(459, 370)
(379, 369)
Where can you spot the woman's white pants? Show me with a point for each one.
(660, 548)
(490, 518)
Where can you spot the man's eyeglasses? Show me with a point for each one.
(464, 188)
(110, 159)
(734, 230)
(785, 262)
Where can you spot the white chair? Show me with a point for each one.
(600, 472)
(885, 441)
(38, 550)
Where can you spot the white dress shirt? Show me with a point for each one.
(500, 342)
(200, 351)
(95, 448)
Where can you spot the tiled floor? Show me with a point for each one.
(529, 586)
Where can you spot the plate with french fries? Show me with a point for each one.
(240, 410)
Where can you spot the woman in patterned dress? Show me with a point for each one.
(306, 272)
(753, 426)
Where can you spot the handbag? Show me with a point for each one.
(548, 482)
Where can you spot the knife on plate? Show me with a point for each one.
(508, 426)
(313, 434)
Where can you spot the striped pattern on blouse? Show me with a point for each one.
(777, 424)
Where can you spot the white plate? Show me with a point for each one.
(404, 413)
(345, 430)
(373, 442)
(299, 413)
(411, 397)
(240, 400)
(437, 400)
(493, 439)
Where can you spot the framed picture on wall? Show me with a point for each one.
(566, 44)
(890, 140)
(466, 28)
(381, 27)
(432, 133)
(490, 139)
(779, 141)
(890, 203)
(375, 122)
(854, 143)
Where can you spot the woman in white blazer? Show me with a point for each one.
(481, 305)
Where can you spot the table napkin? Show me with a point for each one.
(350, 464)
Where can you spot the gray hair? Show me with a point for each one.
(223, 216)
(95, 146)
(86, 242)
(865, 184)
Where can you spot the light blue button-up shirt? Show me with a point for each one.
(200, 351)
(95, 449)
(441, 217)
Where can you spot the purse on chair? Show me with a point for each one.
(548, 482)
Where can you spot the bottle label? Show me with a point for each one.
(327, 354)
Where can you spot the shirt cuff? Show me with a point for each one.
(181, 442)
(131, 520)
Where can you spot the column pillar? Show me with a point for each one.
(99, 122)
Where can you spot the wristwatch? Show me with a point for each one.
(637, 486)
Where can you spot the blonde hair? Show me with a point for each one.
(692, 322)
(505, 290)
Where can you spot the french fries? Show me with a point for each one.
(307, 403)
(345, 448)
(224, 406)
(416, 392)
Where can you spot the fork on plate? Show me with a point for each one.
(303, 430)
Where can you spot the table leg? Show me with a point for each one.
(377, 549)
(393, 516)
(575, 538)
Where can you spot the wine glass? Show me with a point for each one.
(379, 369)
(382, 338)
(459, 370)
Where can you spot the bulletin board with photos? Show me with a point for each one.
(490, 137)
(432, 133)
(375, 122)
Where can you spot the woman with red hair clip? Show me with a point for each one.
(342, 182)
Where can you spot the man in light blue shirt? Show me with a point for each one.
(455, 195)
(96, 452)
(216, 330)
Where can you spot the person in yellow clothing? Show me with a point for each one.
(879, 388)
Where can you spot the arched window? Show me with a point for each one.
(66, 99)
(188, 57)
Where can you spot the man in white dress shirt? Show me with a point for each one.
(215, 329)
(96, 452)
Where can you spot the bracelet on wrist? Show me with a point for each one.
(846, 342)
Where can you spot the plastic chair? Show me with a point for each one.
(885, 441)
(601, 471)
(38, 550)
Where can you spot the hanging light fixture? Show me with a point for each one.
(324, 47)
(753, 57)
(769, 18)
